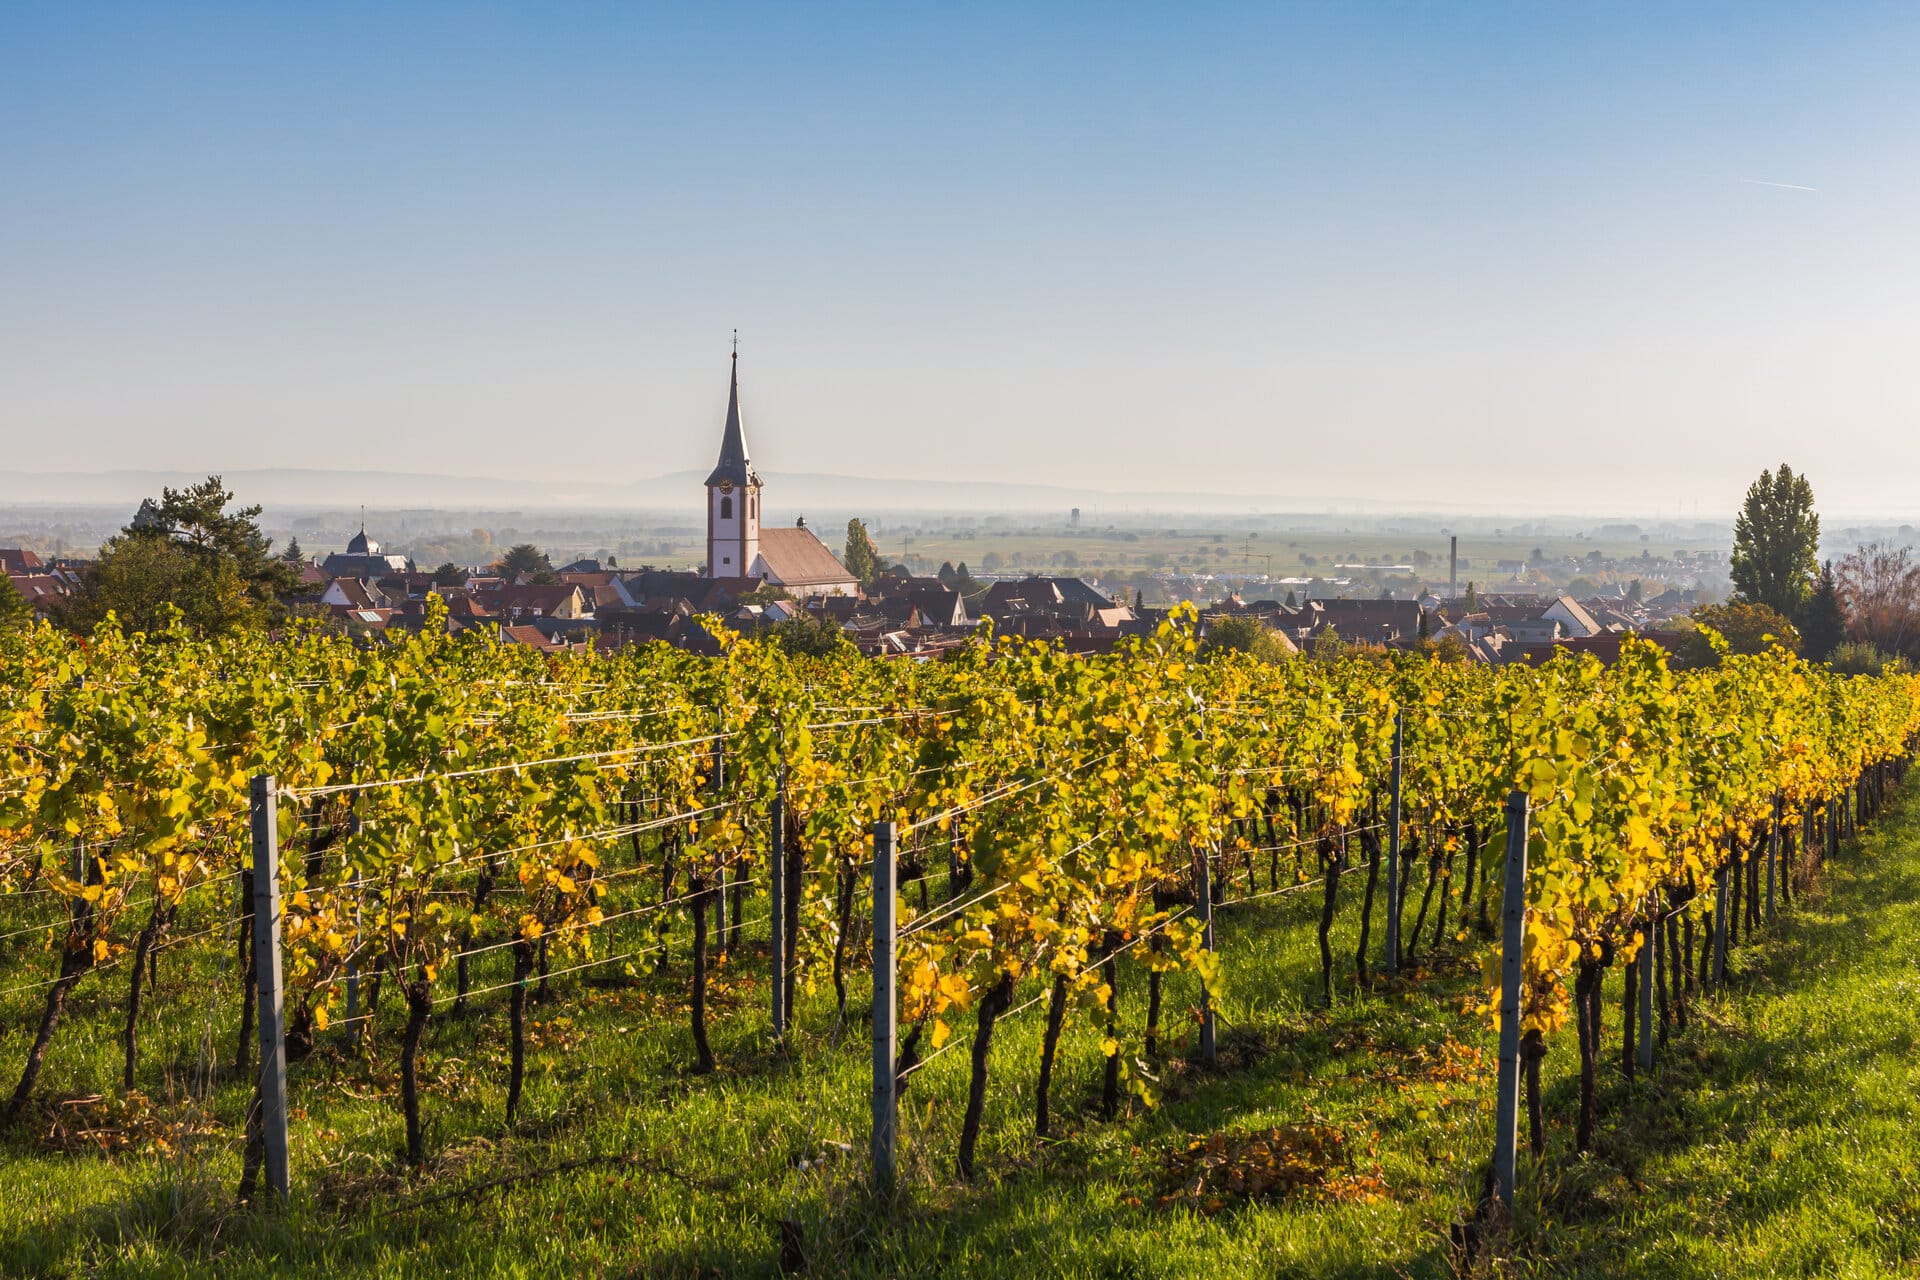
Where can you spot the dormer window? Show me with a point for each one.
(726, 508)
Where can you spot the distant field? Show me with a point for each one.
(1199, 549)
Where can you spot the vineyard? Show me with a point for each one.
(473, 834)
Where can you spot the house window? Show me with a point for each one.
(726, 508)
(726, 559)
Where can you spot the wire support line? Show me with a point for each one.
(584, 926)
(951, 909)
(1046, 990)
(348, 855)
(1005, 793)
(516, 766)
(122, 907)
(1333, 838)
(590, 964)
(164, 944)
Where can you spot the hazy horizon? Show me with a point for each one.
(791, 493)
(1506, 258)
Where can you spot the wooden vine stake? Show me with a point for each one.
(1203, 894)
(885, 1007)
(777, 888)
(1393, 851)
(1645, 970)
(272, 1104)
(1513, 929)
(1773, 854)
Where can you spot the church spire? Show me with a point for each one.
(734, 467)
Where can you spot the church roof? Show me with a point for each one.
(795, 558)
(362, 545)
(734, 467)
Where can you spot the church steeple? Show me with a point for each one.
(733, 494)
(734, 466)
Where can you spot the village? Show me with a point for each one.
(757, 578)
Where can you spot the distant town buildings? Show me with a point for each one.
(757, 577)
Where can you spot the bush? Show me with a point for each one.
(1746, 628)
(807, 636)
(1855, 658)
(1230, 634)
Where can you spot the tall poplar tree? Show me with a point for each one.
(1776, 539)
(862, 558)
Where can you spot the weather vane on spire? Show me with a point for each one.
(736, 344)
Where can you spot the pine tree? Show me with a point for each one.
(1823, 622)
(1776, 541)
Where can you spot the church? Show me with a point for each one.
(364, 559)
(738, 548)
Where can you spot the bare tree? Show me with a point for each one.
(1880, 588)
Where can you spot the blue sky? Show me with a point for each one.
(1491, 253)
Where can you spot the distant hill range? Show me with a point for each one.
(678, 491)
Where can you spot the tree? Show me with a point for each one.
(862, 558)
(1879, 587)
(965, 583)
(449, 575)
(1823, 622)
(15, 612)
(522, 558)
(809, 636)
(765, 593)
(1776, 540)
(1746, 628)
(141, 579)
(1239, 633)
(1472, 604)
(189, 552)
(293, 554)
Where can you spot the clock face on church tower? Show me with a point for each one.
(726, 486)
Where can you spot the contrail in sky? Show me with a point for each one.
(1786, 186)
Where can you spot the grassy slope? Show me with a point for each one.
(1784, 1139)
(1778, 1142)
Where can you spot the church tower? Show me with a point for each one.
(733, 496)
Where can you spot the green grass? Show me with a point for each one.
(1778, 1140)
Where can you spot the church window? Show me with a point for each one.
(726, 508)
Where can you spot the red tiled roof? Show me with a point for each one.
(533, 638)
(796, 558)
(40, 589)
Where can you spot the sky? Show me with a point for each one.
(1605, 258)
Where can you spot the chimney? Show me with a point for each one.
(1453, 565)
